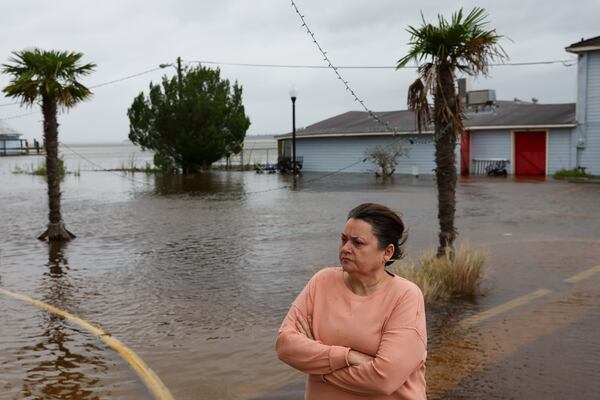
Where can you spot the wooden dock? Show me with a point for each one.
(7, 148)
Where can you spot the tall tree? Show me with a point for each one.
(465, 45)
(190, 121)
(50, 79)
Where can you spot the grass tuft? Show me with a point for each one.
(442, 279)
(40, 170)
(131, 166)
(578, 172)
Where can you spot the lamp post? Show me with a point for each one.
(293, 96)
(178, 67)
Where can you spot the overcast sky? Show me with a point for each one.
(130, 36)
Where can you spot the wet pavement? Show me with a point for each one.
(195, 274)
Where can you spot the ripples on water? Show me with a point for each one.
(192, 273)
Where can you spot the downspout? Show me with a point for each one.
(581, 108)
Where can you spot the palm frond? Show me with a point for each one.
(36, 73)
(464, 42)
(417, 102)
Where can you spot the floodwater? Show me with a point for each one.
(195, 274)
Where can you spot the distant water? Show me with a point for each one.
(109, 156)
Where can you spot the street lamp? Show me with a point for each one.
(178, 67)
(293, 96)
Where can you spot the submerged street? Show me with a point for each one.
(194, 274)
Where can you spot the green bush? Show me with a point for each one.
(40, 170)
(578, 172)
(443, 278)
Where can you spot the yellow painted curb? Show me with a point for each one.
(583, 275)
(150, 379)
(519, 301)
(502, 308)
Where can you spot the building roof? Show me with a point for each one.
(5, 129)
(506, 115)
(584, 45)
(522, 114)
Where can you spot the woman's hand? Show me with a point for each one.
(305, 327)
(357, 358)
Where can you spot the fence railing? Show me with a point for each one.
(17, 147)
(489, 166)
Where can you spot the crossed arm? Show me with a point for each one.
(297, 346)
(401, 351)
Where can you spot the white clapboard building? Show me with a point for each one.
(531, 138)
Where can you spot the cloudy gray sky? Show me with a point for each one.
(130, 36)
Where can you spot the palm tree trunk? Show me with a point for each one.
(56, 229)
(445, 143)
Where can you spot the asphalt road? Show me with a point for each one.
(533, 332)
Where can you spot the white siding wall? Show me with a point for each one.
(332, 154)
(421, 155)
(9, 144)
(490, 144)
(559, 150)
(590, 157)
(593, 87)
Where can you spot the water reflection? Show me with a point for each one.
(195, 274)
(450, 346)
(206, 183)
(63, 364)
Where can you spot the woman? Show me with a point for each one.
(359, 331)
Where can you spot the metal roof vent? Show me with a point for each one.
(481, 97)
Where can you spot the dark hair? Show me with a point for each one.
(387, 226)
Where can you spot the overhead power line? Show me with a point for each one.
(91, 87)
(125, 78)
(20, 115)
(331, 66)
(566, 63)
(99, 167)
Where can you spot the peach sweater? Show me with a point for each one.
(388, 324)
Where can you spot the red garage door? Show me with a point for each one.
(530, 153)
(465, 152)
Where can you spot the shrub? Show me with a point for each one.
(386, 158)
(577, 172)
(443, 278)
(40, 169)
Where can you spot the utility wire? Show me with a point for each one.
(437, 135)
(445, 130)
(125, 78)
(297, 66)
(566, 63)
(330, 65)
(281, 187)
(318, 178)
(131, 178)
(20, 115)
(339, 76)
(91, 87)
(103, 169)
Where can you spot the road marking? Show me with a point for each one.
(502, 308)
(583, 274)
(150, 379)
(475, 350)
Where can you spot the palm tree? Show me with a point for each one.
(49, 78)
(463, 45)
